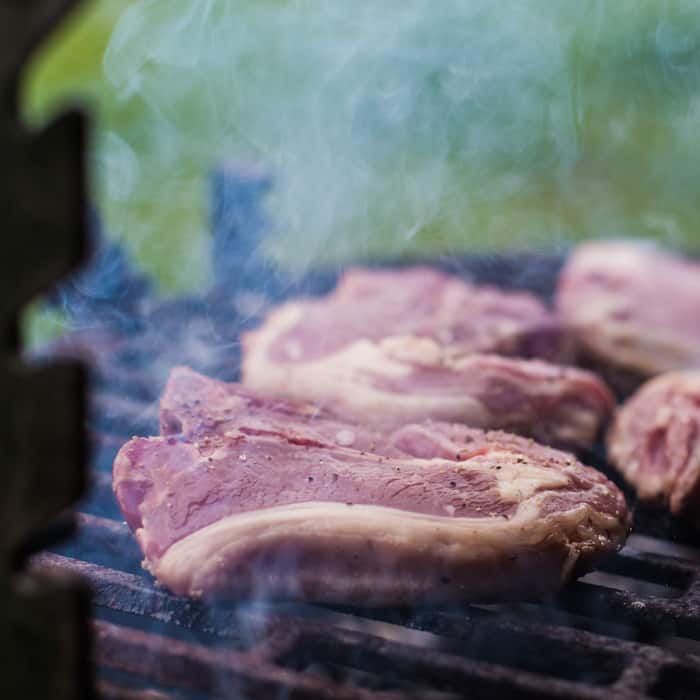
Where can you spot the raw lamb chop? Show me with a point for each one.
(655, 442)
(199, 407)
(422, 302)
(634, 308)
(389, 347)
(263, 513)
(405, 379)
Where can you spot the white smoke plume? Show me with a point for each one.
(405, 126)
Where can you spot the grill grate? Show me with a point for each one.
(630, 630)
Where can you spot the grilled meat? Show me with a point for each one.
(391, 347)
(655, 442)
(373, 304)
(405, 379)
(633, 307)
(198, 407)
(243, 506)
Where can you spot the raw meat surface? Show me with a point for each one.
(405, 379)
(633, 307)
(421, 302)
(198, 406)
(655, 442)
(238, 505)
(388, 347)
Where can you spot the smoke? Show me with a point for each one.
(413, 125)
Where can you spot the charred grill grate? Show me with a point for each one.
(630, 630)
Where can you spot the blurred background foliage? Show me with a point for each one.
(402, 126)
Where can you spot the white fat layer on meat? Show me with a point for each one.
(636, 346)
(345, 378)
(519, 481)
(348, 380)
(617, 259)
(542, 549)
(413, 350)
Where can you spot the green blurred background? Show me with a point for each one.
(396, 126)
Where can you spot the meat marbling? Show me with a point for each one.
(422, 302)
(241, 506)
(403, 379)
(391, 347)
(197, 406)
(655, 442)
(634, 308)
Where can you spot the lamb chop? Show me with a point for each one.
(391, 347)
(198, 407)
(257, 497)
(422, 302)
(405, 379)
(634, 308)
(655, 442)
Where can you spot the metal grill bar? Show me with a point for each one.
(626, 669)
(212, 671)
(112, 691)
(106, 542)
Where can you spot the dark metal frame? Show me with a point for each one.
(43, 621)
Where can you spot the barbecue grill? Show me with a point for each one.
(629, 630)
